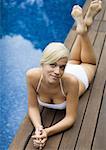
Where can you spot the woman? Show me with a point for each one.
(62, 78)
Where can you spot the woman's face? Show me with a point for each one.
(52, 72)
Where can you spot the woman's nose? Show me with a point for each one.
(57, 70)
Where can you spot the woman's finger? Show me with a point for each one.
(43, 140)
(41, 146)
(36, 145)
(38, 136)
(37, 141)
(41, 136)
(33, 136)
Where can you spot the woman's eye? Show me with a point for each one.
(53, 65)
(62, 67)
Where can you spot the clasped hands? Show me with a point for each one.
(39, 138)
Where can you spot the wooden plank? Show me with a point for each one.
(47, 118)
(89, 123)
(101, 13)
(85, 7)
(104, 18)
(92, 36)
(100, 136)
(23, 135)
(95, 25)
(53, 141)
(102, 26)
(98, 45)
(70, 137)
(70, 39)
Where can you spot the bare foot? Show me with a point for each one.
(78, 17)
(93, 10)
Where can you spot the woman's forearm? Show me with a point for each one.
(60, 126)
(34, 115)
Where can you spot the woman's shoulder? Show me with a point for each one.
(33, 74)
(69, 78)
(70, 81)
(33, 71)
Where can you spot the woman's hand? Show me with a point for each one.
(40, 138)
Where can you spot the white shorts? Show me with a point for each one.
(79, 72)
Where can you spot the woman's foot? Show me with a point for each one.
(93, 10)
(78, 17)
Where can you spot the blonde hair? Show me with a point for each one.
(53, 52)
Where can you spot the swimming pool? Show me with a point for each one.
(27, 26)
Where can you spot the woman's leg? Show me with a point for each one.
(78, 54)
(94, 8)
(82, 52)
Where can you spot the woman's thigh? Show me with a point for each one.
(81, 88)
(90, 71)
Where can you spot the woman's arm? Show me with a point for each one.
(71, 110)
(33, 106)
(34, 112)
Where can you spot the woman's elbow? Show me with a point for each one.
(70, 121)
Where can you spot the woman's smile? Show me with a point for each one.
(54, 77)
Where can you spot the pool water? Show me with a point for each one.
(26, 27)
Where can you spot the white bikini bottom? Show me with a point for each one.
(79, 72)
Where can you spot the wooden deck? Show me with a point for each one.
(89, 131)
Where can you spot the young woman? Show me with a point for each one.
(62, 78)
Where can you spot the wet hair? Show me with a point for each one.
(53, 52)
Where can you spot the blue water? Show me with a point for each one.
(26, 27)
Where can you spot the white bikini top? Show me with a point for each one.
(53, 106)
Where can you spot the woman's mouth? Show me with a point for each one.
(54, 77)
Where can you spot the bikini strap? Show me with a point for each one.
(39, 83)
(61, 86)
